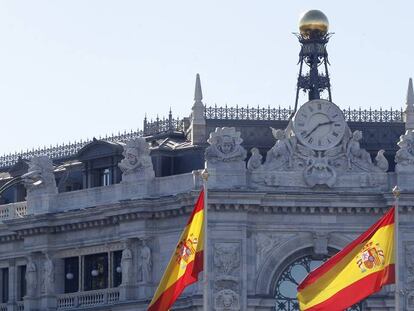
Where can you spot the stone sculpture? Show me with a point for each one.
(226, 300)
(137, 163)
(49, 275)
(126, 266)
(40, 178)
(291, 163)
(281, 153)
(225, 146)
(255, 160)
(31, 278)
(355, 154)
(145, 263)
(405, 155)
(381, 161)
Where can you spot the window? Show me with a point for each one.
(105, 177)
(21, 274)
(95, 271)
(71, 274)
(4, 285)
(291, 277)
(92, 272)
(116, 268)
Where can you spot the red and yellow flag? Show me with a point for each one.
(186, 262)
(356, 272)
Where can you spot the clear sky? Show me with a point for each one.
(81, 68)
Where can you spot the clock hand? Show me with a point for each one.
(318, 125)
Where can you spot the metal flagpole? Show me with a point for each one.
(204, 175)
(396, 192)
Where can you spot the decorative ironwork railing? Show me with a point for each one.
(64, 151)
(163, 125)
(283, 114)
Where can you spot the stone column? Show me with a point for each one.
(11, 304)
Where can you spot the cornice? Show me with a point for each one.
(219, 201)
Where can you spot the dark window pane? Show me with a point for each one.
(96, 271)
(21, 271)
(71, 274)
(4, 285)
(116, 268)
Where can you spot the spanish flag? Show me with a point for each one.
(186, 261)
(359, 270)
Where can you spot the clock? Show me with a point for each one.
(319, 124)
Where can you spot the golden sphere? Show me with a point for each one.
(313, 21)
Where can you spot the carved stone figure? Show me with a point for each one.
(381, 161)
(31, 278)
(405, 155)
(226, 300)
(319, 171)
(137, 161)
(126, 266)
(355, 154)
(264, 243)
(226, 258)
(225, 146)
(409, 259)
(255, 160)
(49, 275)
(40, 178)
(145, 263)
(281, 153)
(320, 243)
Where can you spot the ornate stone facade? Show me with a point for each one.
(227, 281)
(346, 165)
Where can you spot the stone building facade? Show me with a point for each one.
(92, 225)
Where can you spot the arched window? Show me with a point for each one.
(291, 277)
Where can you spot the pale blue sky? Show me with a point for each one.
(82, 68)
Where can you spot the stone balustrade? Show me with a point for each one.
(20, 306)
(74, 301)
(3, 307)
(12, 211)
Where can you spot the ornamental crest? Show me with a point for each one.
(185, 251)
(371, 256)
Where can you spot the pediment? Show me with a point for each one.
(99, 149)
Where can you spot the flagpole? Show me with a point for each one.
(204, 176)
(396, 192)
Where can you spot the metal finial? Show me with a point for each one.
(205, 174)
(396, 191)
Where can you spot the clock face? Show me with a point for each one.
(319, 124)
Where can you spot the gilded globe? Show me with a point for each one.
(313, 21)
